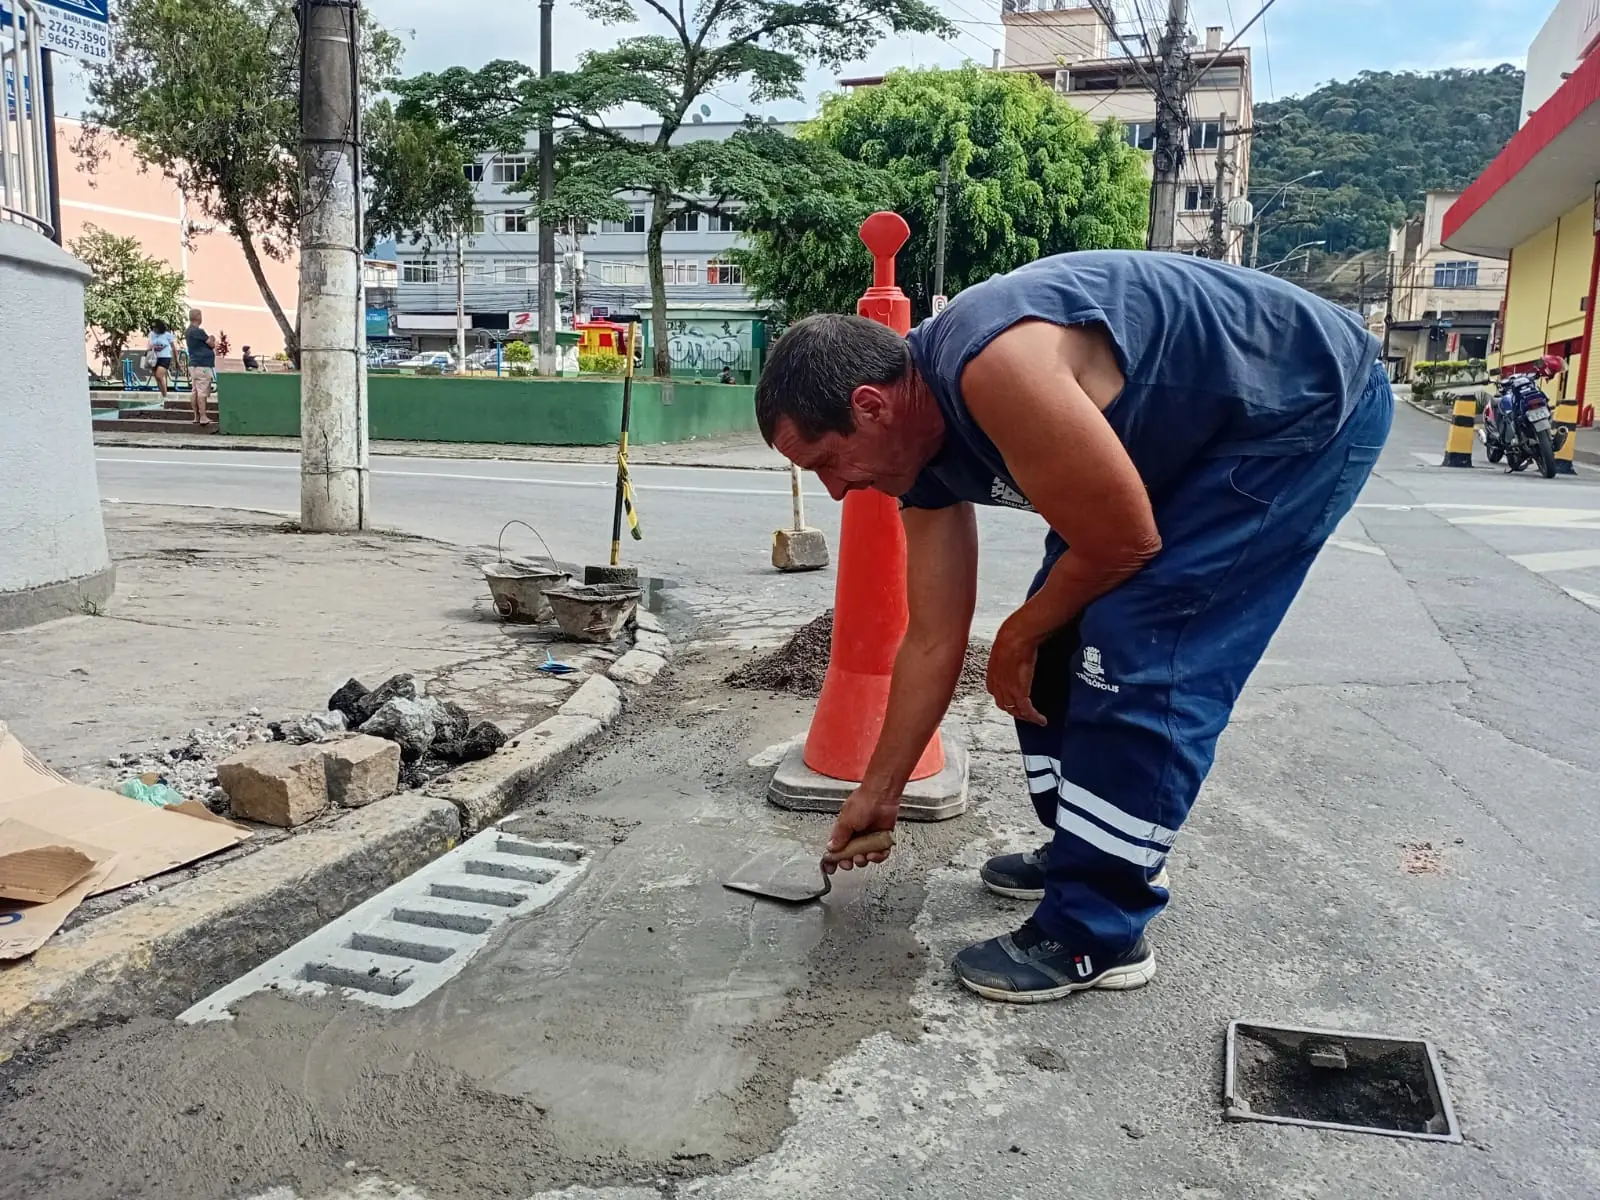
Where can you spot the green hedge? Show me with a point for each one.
(532, 411)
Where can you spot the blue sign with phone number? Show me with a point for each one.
(76, 28)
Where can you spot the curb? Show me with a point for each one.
(636, 456)
(158, 956)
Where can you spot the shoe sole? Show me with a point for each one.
(1119, 979)
(1013, 893)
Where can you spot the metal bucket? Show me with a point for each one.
(518, 590)
(592, 612)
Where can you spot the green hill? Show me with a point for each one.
(1379, 140)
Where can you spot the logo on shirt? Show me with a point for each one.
(1094, 672)
(1002, 492)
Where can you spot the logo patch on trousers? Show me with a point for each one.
(1094, 673)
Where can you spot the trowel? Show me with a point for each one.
(794, 874)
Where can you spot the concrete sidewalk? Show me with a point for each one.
(745, 451)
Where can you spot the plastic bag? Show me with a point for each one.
(156, 795)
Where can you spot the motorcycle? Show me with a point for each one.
(1517, 423)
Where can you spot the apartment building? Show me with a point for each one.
(600, 269)
(1069, 46)
(1443, 304)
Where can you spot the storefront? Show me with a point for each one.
(1538, 204)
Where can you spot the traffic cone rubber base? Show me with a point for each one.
(936, 798)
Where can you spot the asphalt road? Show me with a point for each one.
(1393, 841)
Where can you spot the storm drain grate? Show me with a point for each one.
(1354, 1082)
(409, 939)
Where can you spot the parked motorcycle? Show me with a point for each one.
(1517, 424)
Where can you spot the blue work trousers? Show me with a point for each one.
(1139, 687)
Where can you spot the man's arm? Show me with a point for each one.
(941, 592)
(1026, 391)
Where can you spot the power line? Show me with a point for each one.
(1266, 47)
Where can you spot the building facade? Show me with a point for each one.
(601, 269)
(1069, 46)
(1538, 206)
(1442, 304)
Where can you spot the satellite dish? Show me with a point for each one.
(705, 110)
(696, 118)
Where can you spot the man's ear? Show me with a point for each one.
(870, 404)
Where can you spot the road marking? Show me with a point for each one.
(411, 938)
(1358, 547)
(604, 485)
(1583, 597)
(1558, 560)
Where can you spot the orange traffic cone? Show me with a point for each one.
(869, 622)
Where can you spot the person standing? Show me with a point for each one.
(161, 355)
(202, 349)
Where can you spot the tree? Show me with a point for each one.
(130, 291)
(207, 92)
(764, 45)
(417, 187)
(1379, 140)
(1029, 176)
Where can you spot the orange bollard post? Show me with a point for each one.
(869, 622)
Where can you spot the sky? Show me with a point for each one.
(1297, 45)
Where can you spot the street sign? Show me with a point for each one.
(76, 28)
(938, 304)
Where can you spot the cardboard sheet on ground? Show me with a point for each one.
(126, 840)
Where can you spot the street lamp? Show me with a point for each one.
(1292, 253)
(1255, 234)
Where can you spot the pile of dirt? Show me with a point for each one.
(799, 665)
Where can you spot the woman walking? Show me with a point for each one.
(164, 351)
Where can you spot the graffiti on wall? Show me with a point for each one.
(708, 346)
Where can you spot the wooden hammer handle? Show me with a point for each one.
(880, 842)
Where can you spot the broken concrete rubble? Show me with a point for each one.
(408, 722)
(312, 727)
(361, 769)
(276, 784)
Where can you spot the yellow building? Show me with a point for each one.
(1538, 205)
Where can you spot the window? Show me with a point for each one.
(1462, 274)
(516, 271)
(634, 223)
(477, 224)
(685, 222)
(472, 170)
(680, 271)
(723, 221)
(620, 273)
(1204, 135)
(1141, 135)
(508, 168)
(1222, 77)
(419, 272)
(1198, 199)
(719, 271)
(513, 221)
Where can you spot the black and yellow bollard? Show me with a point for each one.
(1567, 414)
(1458, 442)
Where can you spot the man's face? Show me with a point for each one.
(873, 455)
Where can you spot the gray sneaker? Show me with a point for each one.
(1021, 876)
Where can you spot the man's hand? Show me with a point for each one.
(863, 812)
(1011, 662)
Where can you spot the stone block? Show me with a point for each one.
(275, 783)
(658, 644)
(799, 550)
(638, 667)
(361, 769)
(647, 621)
(598, 699)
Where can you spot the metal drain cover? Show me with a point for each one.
(1328, 1079)
(410, 938)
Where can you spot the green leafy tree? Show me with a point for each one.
(130, 291)
(207, 92)
(417, 188)
(763, 46)
(1379, 140)
(1029, 176)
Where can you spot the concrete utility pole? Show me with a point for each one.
(461, 306)
(1217, 245)
(547, 228)
(1172, 126)
(943, 192)
(333, 399)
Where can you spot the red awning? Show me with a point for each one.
(1550, 165)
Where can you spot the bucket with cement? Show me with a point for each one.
(518, 590)
(592, 612)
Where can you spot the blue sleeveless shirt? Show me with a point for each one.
(1218, 360)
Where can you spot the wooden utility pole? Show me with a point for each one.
(333, 393)
(547, 228)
